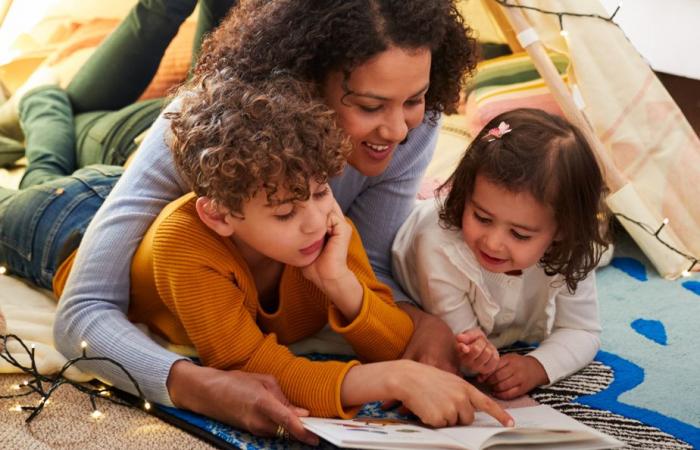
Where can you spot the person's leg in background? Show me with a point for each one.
(41, 223)
(47, 121)
(211, 13)
(121, 68)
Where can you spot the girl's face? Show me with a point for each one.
(386, 101)
(506, 231)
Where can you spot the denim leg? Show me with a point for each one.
(124, 64)
(42, 225)
(211, 13)
(47, 119)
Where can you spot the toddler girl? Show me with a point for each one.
(507, 255)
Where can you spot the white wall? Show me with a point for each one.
(666, 32)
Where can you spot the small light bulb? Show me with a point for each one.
(33, 347)
(105, 393)
(685, 274)
(665, 221)
(16, 387)
(47, 402)
(83, 345)
(25, 382)
(96, 414)
(3, 270)
(17, 408)
(564, 33)
(146, 405)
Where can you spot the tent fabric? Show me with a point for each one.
(644, 132)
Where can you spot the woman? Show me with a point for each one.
(387, 68)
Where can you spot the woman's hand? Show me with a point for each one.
(250, 401)
(330, 270)
(515, 375)
(476, 353)
(432, 342)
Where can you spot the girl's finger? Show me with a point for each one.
(506, 384)
(499, 375)
(509, 394)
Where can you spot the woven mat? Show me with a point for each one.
(66, 424)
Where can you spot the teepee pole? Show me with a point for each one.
(623, 198)
(615, 179)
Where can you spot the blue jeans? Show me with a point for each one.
(42, 225)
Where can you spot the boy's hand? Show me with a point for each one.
(330, 270)
(476, 353)
(331, 265)
(515, 375)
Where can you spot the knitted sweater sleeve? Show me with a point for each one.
(211, 294)
(93, 307)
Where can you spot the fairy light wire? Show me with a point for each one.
(46, 385)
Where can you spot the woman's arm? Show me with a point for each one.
(94, 304)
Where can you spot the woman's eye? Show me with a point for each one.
(415, 101)
(520, 237)
(482, 219)
(370, 109)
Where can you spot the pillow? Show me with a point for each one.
(509, 82)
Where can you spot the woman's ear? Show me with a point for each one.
(214, 217)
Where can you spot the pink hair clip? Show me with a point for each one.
(497, 133)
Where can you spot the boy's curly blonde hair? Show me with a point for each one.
(232, 141)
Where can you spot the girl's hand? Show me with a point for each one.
(442, 399)
(331, 265)
(476, 353)
(515, 375)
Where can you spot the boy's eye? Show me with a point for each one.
(520, 237)
(323, 193)
(285, 217)
(481, 219)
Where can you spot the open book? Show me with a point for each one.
(537, 427)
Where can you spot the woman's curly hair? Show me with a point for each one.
(307, 39)
(551, 159)
(232, 141)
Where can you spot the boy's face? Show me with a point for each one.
(292, 233)
(506, 231)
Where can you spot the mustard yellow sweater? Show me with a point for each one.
(192, 287)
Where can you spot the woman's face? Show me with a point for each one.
(386, 100)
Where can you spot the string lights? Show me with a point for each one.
(693, 261)
(561, 14)
(45, 385)
(656, 233)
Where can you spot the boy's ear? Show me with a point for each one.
(214, 217)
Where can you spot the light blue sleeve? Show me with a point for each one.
(96, 299)
(379, 210)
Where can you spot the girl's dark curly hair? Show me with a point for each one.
(550, 158)
(307, 39)
(233, 141)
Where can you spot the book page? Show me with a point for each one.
(375, 433)
(533, 425)
(540, 425)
